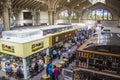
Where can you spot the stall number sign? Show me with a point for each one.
(37, 46)
(8, 48)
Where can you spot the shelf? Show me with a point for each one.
(97, 72)
(81, 49)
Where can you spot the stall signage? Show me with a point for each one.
(37, 46)
(8, 48)
(67, 35)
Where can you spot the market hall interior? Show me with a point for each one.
(33, 31)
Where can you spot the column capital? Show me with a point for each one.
(32, 13)
(7, 4)
(69, 12)
(51, 10)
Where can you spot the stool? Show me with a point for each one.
(66, 61)
(58, 65)
(45, 77)
(62, 63)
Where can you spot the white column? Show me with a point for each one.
(51, 17)
(33, 18)
(47, 52)
(69, 19)
(119, 22)
(6, 18)
(25, 68)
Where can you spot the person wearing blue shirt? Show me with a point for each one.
(54, 54)
(8, 69)
(49, 69)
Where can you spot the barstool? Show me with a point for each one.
(62, 63)
(66, 61)
(45, 77)
(58, 65)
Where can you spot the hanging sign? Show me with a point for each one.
(8, 48)
(37, 46)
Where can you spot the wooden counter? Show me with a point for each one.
(98, 72)
(95, 52)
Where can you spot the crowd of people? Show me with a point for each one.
(57, 52)
(52, 71)
(15, 71)
(36, 68)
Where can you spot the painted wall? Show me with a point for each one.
(28, 46)
(18, 48)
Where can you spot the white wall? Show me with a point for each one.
(20, 20)
(44, 17)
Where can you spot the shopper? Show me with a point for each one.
(8, 70)
(0, 65)
(54, 53)
(56, 72)
(14, 69)
(19, 73)
(49, 70)
(59, 53)
(40, 65)
(31, 71)
(36, 67)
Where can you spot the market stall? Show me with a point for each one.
(23, 49)
(99, 55)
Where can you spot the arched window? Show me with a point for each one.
(73, 15)
(63, 15)
(100, 14)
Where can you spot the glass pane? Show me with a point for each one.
(93, 16)
(100, 14)
(105, 15)
(63, 14)
(109, 16)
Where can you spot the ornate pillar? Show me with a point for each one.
(79, 17)
(69, 16)
(33, 18)
(119, 22)
(51, 16)
(6, 14)
(24, 68)
(38, 22)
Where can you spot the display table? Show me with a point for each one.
(62, 63)
(45, 77)
(58, 65)
(65, 59)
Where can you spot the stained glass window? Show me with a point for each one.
(73, 15)
(64, 15)
(100, 14)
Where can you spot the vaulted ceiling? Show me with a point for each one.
(44, 5)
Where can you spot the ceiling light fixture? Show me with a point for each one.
(68, 0)
(78, 4)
